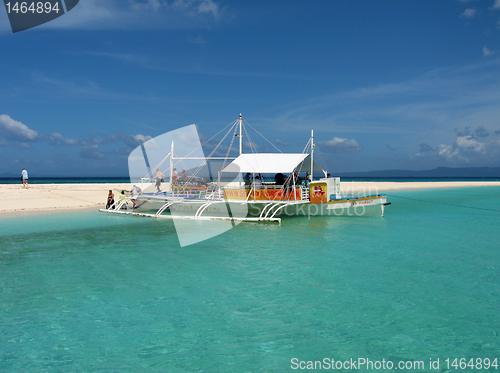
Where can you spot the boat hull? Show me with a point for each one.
(368, 206)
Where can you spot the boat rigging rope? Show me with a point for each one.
(307, 146)
(250, 142)
(229, 148)
(263, 136)
(215, 149)
(253, 149)
(220, 142)
(443, 203)
(150, 173)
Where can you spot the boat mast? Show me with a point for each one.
(171, 167)
(312, 155)
(240, 177)
(241, 135)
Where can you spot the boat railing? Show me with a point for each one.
(258, 187)
(214, 195)
(213, 191)
(304, 193)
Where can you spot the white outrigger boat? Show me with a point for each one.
(277, 189)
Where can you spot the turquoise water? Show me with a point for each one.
(93, 292)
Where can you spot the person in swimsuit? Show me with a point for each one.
(111, 200)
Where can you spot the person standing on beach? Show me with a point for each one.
(24, 177)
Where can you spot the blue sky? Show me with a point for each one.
(383, 84)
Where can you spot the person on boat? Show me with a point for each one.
(296, 179)
(24, 178)
(159, 179)
(111, 200)
(184, 175)
(288, 182)
(305, 180)
(257, 183)
(175, 175)
(247, 179)
(121, 198)
(279, 179)
(288, 185)
(136, 191)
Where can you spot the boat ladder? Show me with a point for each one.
(304, 193)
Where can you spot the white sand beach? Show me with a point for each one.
(52, 197)
(43, 198)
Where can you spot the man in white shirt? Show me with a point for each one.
(24, 176)
(257, 183)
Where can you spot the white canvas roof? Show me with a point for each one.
(268, 163)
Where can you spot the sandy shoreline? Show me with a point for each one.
(54, 197)
(45, 198)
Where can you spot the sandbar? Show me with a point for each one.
(51, 197)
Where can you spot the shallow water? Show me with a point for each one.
(93, 292)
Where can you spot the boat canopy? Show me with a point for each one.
(269, 163)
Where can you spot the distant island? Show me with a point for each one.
(439, 172)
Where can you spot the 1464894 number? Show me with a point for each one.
(32, 7)
(478, 363)
(26, 14)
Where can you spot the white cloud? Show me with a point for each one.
(90, 152)
(281, 142)
(487, 52)
(450, 154)
(135, 14)
(468, 142)
(142, 138)
(468, 13)
(466, 149)
(199, 40)
(11, 129)
(208, 6)
(435, 102)
(339, 145)
(57, 137)
(496, 5)
(113, 138)
(125, 57)
(153, 5)
(425, 109)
